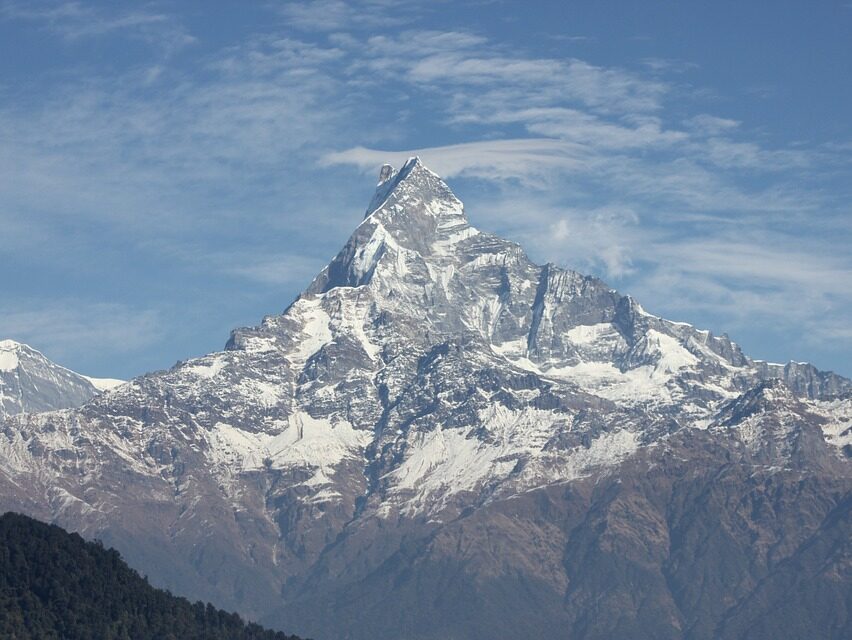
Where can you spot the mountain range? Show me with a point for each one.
(441, 439)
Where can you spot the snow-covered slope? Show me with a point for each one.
(29, 382)
(429, 372)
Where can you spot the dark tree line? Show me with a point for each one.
(54, 584)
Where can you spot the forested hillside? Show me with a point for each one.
(54, 584)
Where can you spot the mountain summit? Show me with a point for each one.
(29, 382)
(440, 438)
(413, 216)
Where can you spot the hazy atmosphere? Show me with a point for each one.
(170, 171)
(393, 320)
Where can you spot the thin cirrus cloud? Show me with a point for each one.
(77, 21)
(500, 78)
(336, 15)
(282, 269)
(600, 116)
(114, 152)
(525, 159)
(61, 327)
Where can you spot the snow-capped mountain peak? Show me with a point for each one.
(30, 382)
(414, 185)
(412, 232)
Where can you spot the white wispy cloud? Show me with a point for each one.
(602, 240)
(524, 159)
(110, 150)
(668, 65)
(76, 21)
(709, 124)
(282, 269)
(336, 15)
(68, 328)
(483, 75)
(578, 117)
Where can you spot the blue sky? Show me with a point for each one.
(169, 171)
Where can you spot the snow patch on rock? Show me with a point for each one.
(8, 360)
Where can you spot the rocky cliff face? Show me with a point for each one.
(29, 382)
(441, 439)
